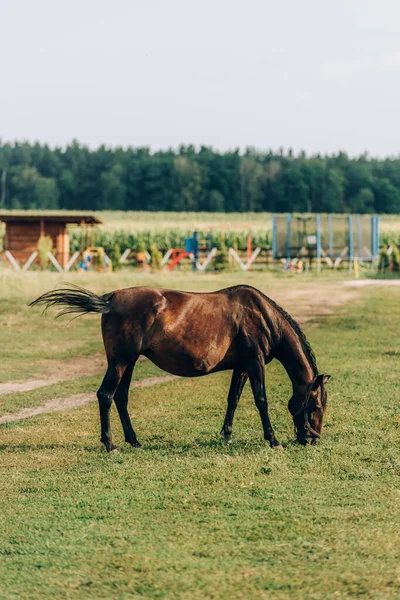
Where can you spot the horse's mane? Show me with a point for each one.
(309, 352)
(300, 333)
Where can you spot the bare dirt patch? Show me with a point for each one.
(58, 371)
(75, 401)
(372, 282)
(308, 303)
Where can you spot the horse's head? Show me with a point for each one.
(308, 411)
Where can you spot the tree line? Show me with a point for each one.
(35, 176)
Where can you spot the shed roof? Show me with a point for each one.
(65, 217)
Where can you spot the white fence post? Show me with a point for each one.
(244, 265)
(166, 256)
(124, 256)
(12, 260)
(207, 260)
(71, 261)
(55, 262)
(30, 261)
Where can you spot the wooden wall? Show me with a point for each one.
(22, 239)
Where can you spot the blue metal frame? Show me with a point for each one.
(351, 245)
(359, 239)
(377, 223)
(319, 253)
(195, 250)
(375, 236)
(288, 223)
(274, 236)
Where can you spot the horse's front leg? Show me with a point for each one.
(237, 384)
(121, 401)
(105, 396)
(257, 381)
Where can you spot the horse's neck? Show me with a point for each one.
(291, 354)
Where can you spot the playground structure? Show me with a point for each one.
(193, 248)
(95, 259)
(199, 250)
(332, 239)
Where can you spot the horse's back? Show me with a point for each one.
(185, 333)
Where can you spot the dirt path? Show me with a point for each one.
(76, 401)
(372, 282)
(59, 371)
(311, 302)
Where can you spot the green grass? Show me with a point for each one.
(188, 517)
(149, 221)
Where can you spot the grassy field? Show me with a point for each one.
(144, 220)
(136, 221)
(186, 516)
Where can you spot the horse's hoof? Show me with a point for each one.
(226, 438)
(114, 450)
(278, 447)
(135, 444)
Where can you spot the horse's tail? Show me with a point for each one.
(75, 299)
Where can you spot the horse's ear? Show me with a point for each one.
(321, 379)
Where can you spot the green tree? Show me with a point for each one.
(112, 190)
(332, 199)
(252, 181)
(387, 196)
(188, 177)
(363, 201)
(32, 190)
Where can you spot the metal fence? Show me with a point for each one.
(325, 236)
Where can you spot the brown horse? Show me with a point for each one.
(193, 334)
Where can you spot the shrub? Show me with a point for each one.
(45, 245)
(115, 256)
(221, 261)
(156, 257)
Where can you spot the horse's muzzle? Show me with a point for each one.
(307, 440)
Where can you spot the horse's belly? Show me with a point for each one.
(186, 363)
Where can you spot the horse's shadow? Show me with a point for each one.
(162, 446)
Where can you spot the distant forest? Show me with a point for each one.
(35, 176)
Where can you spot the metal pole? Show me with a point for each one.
(289, 218)
(377, 223)
(319, 242)
(273, 242)
(373, 237)
(195, 250)
(358, 219)
(330, 235)
(351, 248)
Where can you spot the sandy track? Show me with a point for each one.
(372, 282)
(59, 371)
(75, 401)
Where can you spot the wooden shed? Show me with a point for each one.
(23, 231)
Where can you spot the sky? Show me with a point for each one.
(313, 75)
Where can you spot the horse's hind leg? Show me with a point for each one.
(257, 380)
(235, 391)
(105, 396)
(121, 401)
